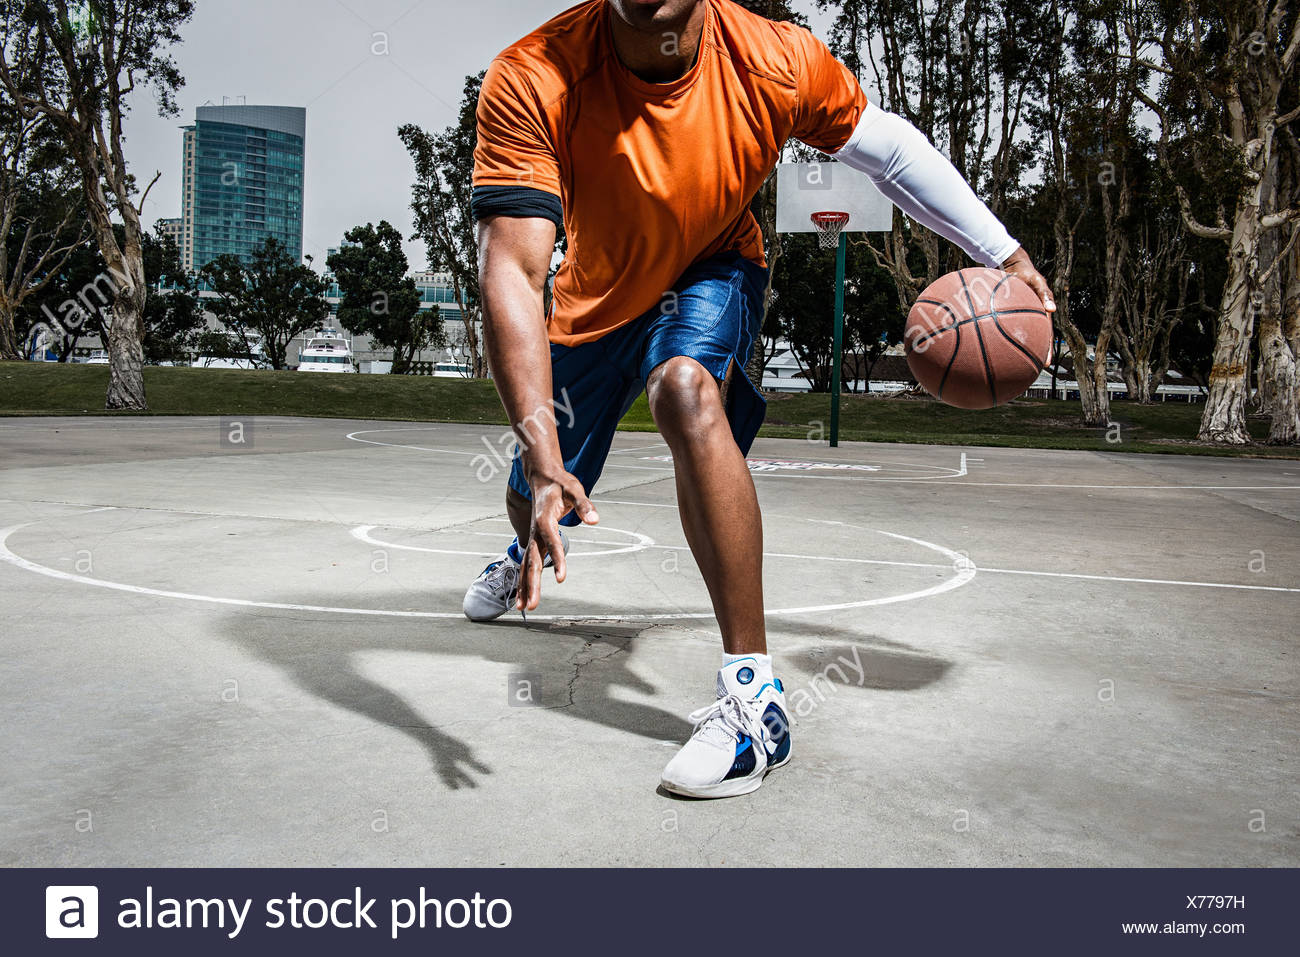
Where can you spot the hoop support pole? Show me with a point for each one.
(838, 351)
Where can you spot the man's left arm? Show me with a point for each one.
(920, 181)
(832, 114)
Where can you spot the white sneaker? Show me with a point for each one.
(737, 739)
(492, 594)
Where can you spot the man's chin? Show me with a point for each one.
(647, 16)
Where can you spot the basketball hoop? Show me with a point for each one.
(829, 226)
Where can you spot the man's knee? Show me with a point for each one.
(684, 398)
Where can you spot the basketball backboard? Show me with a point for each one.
(806, 188)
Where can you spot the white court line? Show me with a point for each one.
(1009, 571)
(798, 475)
(1139, 581)
(641, 448)
(640, 542)
(615, 501)
(801, 476)
(962, 576)
(834, 558)
(8, 556)
(950, 472)
(394, 445)
(1163, 488)
(85, 510)
(498, 536)
(965, 569)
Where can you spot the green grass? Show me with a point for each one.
(31, 388)
(47, 388)
(1024, 423)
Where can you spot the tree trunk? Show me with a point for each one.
(1144, 393)
(1278, 299)
(122, 325)
(1224, 418)
(1135, 369)
(1096, 412)
(1095, 409)
(1142, 375)
(1278, 368)
(1279, 347)
(125, 366)
(1100, 381)
(1160, 364)
(1263, 399)
(401, 361)
(1138, 379)
(124, 335)
(8, 337)
(477, 363)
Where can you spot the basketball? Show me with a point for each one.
(977, 338)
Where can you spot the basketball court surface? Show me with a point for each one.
(248, 650)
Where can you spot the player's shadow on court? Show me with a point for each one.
(319, 654)
(852, 658)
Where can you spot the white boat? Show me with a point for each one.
(452, 367)
(326, 351)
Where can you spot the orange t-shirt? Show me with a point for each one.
(653, 177)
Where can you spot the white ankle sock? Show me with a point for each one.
(762, 664)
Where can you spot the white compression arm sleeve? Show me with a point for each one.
(920, 181)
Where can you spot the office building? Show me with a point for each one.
(171, 228)
(242, 181)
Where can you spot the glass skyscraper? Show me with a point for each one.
(241, 181)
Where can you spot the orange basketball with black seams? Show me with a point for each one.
(977, 338)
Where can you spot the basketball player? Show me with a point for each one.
(645, 127)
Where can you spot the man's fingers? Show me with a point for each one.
(586, 511)
(1044, 292)
(530, 577)
(581, 504)
(1040, 287)
(553, 545)
(551, 501)
(546, 538)
(575, 497)
(1022, 266)
(521, 587)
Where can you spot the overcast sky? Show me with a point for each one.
(318, 54)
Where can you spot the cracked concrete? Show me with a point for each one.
(1068, 658)
(581, 660)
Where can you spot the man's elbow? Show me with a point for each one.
(514, 251)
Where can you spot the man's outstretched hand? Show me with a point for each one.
(553, 497)
(1022, 267)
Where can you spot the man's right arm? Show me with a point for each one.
(514, 258)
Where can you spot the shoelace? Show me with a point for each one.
(731, 716)
(503, 576)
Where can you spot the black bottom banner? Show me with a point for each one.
(202, 911)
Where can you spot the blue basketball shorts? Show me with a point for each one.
(713, 317)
